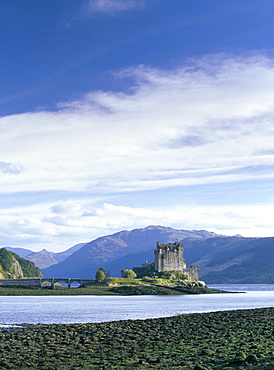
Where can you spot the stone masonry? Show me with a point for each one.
(169, 256)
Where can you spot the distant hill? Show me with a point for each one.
(13, 266)
(61, 256)
(42, 259)
(22, 252)
(236, 260)
(105, 251)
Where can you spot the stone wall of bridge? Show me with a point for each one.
(37, 282)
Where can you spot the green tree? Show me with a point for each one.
(29, 269)
(100, 275)
(129, 274)
(6, 260)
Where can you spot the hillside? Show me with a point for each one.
(13, 266)
(105, 251)
(61, 256)
(22, 252)
(236, 260)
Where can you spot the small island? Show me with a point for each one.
(168, 274)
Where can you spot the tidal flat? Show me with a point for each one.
(240, 339)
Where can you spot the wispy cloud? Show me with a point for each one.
(10, 168)
(113, 6)
(190, 126)
(207, 122)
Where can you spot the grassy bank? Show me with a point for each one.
(222, 340)
(103, 290)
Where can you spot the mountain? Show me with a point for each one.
(22, 252)
(222, 259)
(105, 251)
(12, 266)
(236, 260)
(44, 258)
(61, 256)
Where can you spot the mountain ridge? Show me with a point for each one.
(222, 259)
(103, 250)
(45, 258)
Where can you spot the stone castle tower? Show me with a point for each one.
(169, 256)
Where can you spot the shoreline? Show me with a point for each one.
(124, 290)
(214, 340)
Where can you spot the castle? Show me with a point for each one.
(168, 257)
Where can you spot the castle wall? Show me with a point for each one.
(193, 271)
(145, 270)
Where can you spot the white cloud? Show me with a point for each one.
(208, 122)
(245, 220)
(176, 127)
(10, 168)
(113, 6)
(41, 229)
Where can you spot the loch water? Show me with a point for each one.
(82, 309)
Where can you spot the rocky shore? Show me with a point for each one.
(241, 339)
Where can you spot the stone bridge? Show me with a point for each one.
(39, 281)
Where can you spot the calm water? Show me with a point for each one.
(80, 309)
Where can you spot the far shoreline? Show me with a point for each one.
(101, 290)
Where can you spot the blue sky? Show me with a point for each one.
(118, 114)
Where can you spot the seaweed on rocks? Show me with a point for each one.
(238, 339)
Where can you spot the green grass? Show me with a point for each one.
(146, 280)
(123, 281)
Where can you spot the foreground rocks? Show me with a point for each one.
(240, 339)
